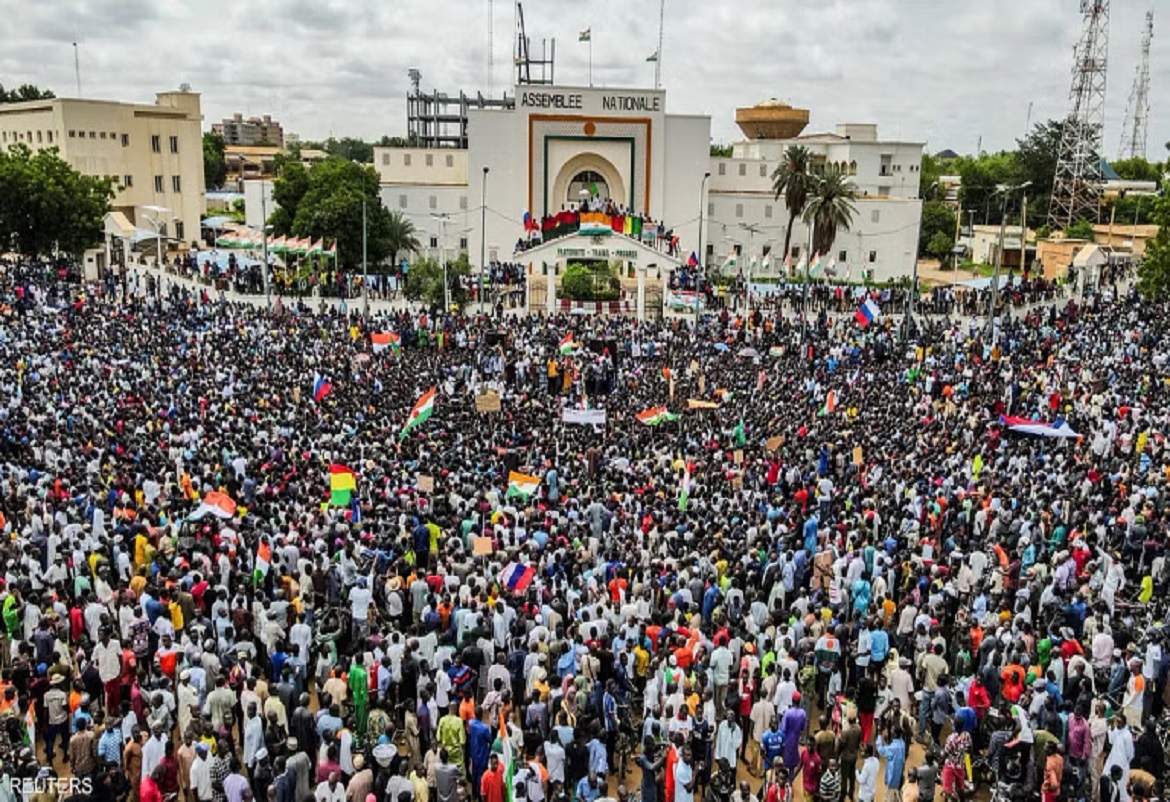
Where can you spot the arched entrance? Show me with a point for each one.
(585, 184)
(583, 172)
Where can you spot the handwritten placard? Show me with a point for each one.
(425, 484)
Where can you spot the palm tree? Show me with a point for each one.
(400, 236)
(792, 180)
(830, 208)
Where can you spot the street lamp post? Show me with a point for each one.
(1007, 193)
(158, 211)
(913, 295)
(482, 234)
(264, 249)
(365, 263)
(442, 218)
(701, 256)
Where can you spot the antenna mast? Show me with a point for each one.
(1137, 109)
(1076, 191)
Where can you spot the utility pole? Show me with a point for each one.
(482, 234)
(365, 263)
(699, 271)
(264, 248)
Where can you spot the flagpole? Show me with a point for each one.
(658, 61)
(591, 55)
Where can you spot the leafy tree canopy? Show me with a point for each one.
(1154, 273)
(24, 92)
(46, 205)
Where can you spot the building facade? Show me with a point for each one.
(154, 153)
(538, 156)
(253, 131)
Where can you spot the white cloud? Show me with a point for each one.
(943, 71)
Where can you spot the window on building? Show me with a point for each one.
(72, 134)
(463, 203)
(103, 135)
(127, 181)
(493, 255)
(174, 144)
(722, 168)
(92, 135)
(401, 201)
(3, 136)
(710, 209)
(125, 140)
(405, 159)
(179, 229)
(743, 169)
(763, 171)
(49, 136)
(463, 243)
(434, 241)
(40, 136)
(768, 212)
(155, 143)
(385, 159)
(176, 184)
(450, 160)
(796, 252)
(433, 202)
(872, 257)
(158, 183)
(842, 256)
(113, 135)
(875, 216)
(738, 210)
(430, 160)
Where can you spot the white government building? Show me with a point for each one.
(537, 154)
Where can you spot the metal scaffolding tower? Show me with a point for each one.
(1076, 191)
(1137, 109)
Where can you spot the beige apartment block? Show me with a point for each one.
(154, 152)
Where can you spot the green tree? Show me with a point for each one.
(594, 281)
(720, 151)
(1137, 169)
(214, 161)
(1036, 157)
(981, 177)
(350, 149)
(830, 208)
(424, 281)
(792, 180)
(23, 93)
(1154, 273)
(1081, 229)
(937, 218)
(400, 236)
(46, 205)
(941, 246)
(290, 186)
(330, 208)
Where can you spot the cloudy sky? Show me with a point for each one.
(941, 71)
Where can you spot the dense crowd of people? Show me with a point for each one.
(738, 561)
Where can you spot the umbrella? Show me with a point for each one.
(721, 347)
(748, 353)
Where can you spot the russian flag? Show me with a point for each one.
(516, 577)
(868, 313)
(693, 260)
(1058, 428)
(321, 388)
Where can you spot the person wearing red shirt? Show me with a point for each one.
(978, 698)
(149, 791)
(491, 785)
